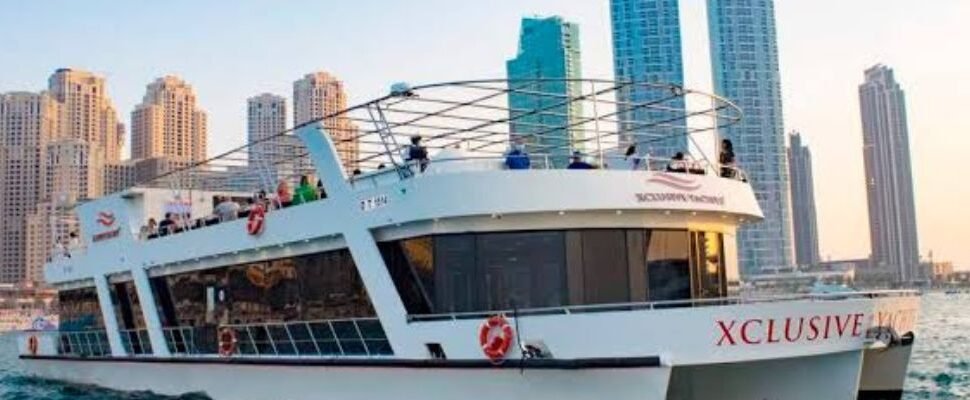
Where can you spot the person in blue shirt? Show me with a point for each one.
(517, 158)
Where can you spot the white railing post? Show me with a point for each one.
(150, 312)
(108, 315)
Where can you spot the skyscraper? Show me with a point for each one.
(804, 222)
(744, 53)
(168, 123)
(321, 95)
(889, 176)
(548, 49)
(274, 154)
(647, 48)
(87, 113)
(28, 122)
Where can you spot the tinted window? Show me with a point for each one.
(668, 265)
(79, 310)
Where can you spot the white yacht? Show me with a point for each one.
(456, 267)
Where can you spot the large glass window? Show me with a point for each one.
(79, 310)
(506, 270)
(303, 288)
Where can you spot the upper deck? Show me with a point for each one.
(357, 160)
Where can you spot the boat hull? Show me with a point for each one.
(828, 376)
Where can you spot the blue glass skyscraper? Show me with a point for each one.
(744, 54)
(647, 48)
(548, 49)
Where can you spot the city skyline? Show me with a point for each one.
(819, 95)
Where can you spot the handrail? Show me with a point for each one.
(633, 306)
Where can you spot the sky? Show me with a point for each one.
(233, 50)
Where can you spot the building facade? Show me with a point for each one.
(168, 123)
(804, 219)
(320, 95)
(87, 112)
(889, 176)
(546, 123)
(744, 54)
(28, 122)
(647, 48)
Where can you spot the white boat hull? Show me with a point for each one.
(830, 376)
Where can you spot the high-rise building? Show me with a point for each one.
(168, 123)
(889, 176)
(548, 49)
(744, 54)
(647, 48)
(320, 95)
(53, 147)
(28, 122)
(271, 155)
(804, 220)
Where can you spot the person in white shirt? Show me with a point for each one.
(633, 160)
(227, 210)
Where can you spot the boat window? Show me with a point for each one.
(476, 272)
(668, 265)
(310, 287)
(79, 310)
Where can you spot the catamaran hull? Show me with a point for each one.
(829, 376)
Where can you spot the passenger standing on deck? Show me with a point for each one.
(227, 210)
(165, 227)
(305, 193)
(320, 190)
(283, 194)
(417, 153)
(631, 158)
(727, 159)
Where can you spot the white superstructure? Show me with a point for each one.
(614, 282)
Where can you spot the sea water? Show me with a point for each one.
(940, 368)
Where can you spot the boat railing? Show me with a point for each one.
(363, 337)
(84, 343)
(343, 337)
(666, 304)
(135, 341)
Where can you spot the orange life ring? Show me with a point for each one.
(227, 342)
(257, 220)
(495, 336)
(32, 345)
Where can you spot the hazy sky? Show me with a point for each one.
(232, 50)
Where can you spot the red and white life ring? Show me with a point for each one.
(257, 220)
(32, 345)
(227, 342)
(495, 336)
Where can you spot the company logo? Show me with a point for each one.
(106, 218)
(679, 182)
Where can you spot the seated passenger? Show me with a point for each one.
(167, 225)
(283, 194)
(576, 162)
(417, 153)
(677, 163)
(226, 210)
(305, 193)
(517, 158)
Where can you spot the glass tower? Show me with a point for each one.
(804, 220)
(548, 49)
(647, 48)
(889, 175)
(744, 54)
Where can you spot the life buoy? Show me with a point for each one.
(227, 342)
(495, 337)
(32, 344)
(257, 218)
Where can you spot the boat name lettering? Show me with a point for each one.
(373, 203)
(106, 235)
(673, 197)
(758, 331)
